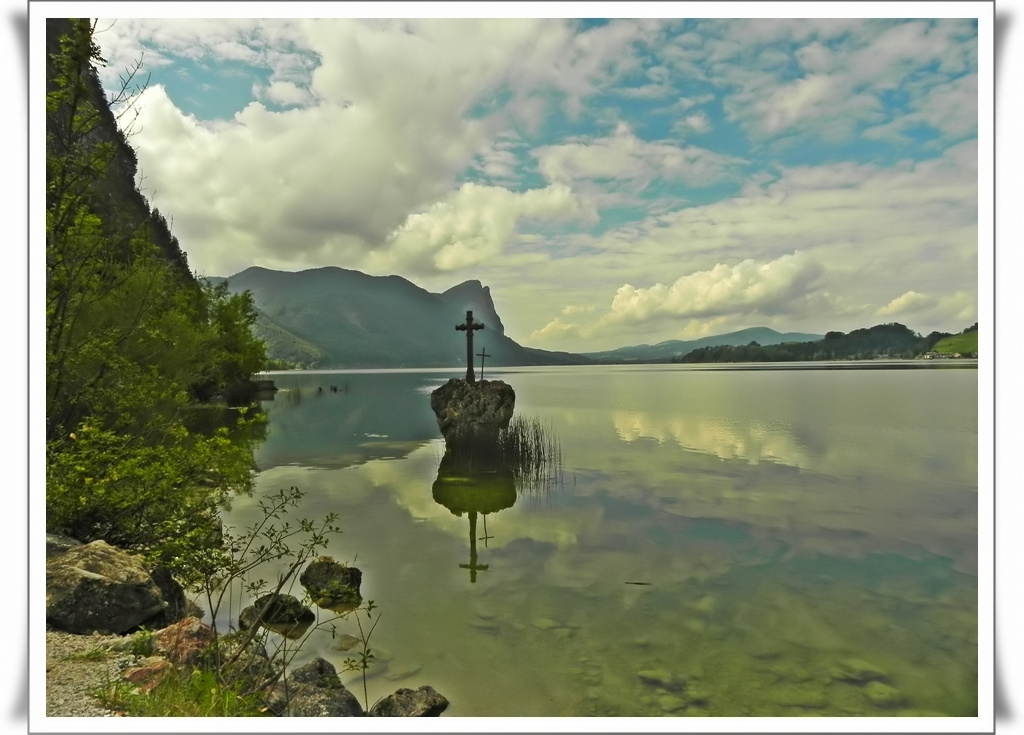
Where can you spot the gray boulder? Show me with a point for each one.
(472, 411)
(313, 690)
(422, 702)
(98, 587)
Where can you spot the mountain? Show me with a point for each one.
(474, 296)
(337, 318)
(665, 351)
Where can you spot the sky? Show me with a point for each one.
(614, 182)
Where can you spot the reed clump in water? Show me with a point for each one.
(532, 452)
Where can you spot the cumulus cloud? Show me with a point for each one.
(953, 309)
(472, 225)
(908, 303)
(283, 93)
(747, 290)
(744, 288)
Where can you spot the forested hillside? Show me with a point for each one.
(133, 340)
(881, 341)
(673, 348)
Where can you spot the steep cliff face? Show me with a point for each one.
(474, 296)
(78, 127)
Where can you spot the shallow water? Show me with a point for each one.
(718, 542)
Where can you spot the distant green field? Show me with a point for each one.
(958, 343)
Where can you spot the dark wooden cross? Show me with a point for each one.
(482, 354)
(468, 328)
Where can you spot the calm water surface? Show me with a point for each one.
(743, 531)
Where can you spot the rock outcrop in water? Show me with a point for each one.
(332, 585)
(473, 412)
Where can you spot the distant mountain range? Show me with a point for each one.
(665, 351)
(337, 318)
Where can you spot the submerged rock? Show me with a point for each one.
(793, 696)
(858, 671)
(670, 703)
(346, 642)
(661, 678)
(545, 623)
(403, 672)
(884, 695)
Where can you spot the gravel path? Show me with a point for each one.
(71, 683)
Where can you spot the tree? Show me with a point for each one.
(129, 333)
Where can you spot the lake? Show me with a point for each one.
(729, 540)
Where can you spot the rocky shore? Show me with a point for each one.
(72, 678)
(97, 595)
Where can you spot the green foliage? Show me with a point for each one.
(966, 343)
(131, 336)
(155, 495)
(141, 643)
(361, 663)
(231, 352)
(93, 654)
(215, 573)
(183, 694)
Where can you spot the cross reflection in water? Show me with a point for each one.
(472, 480)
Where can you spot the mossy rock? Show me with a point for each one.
(332, 585)
(279, 611)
